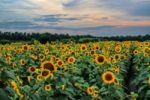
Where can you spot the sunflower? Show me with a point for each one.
(148, 82)
(32, 69)
(22, 61)
(45, 73)
(60, 63)
(71, 60)
(118, 48)
(146, 50)
(83, 47)
(108, 77)
(92, 52)
(41, 57)
(90, 90)
(117, 56)
(117, 70)
(146, 43)
(25, 47)
(29, 78)
(39, 77)
(62, 87)
(135, 52)
(116, 82)
(47, 88)
(113, 60)
(49, 66)
(51, 75)
(100, 59)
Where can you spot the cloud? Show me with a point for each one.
(16, 25)
(56, 18)
(142, 9)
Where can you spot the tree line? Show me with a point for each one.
(9, 37)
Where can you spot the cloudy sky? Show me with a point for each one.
(95, 17)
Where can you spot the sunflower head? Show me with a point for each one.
(148, 82)
(41, 57)
(90, 90)
(47, 88)
(71, 60)
(32, 69)
(83, 47)
(117, 56)
(39, 77)
(49, 66)
(118, 48)
(108, 77)
(60, 63)
(100, 59)
(45, 73)
(22, 61)
(25, 47)
(135, 52)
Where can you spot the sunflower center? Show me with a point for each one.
(32, 69)
(45, 73)
(71, 59)
(59, 63)
(49, 66)
(100, 59)
(108, 77)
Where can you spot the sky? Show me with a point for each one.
(76, 17)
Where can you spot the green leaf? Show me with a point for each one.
(3, 95)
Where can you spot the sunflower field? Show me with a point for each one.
(75, 71)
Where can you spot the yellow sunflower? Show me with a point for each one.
(135, 52)
(71, 60)
(49, 66)
(60, 63)
(100, 59)
(108, 77)
(47, 88)
(90, 90)
(83, 47)
(39, 77)
(45, 73)
(118, 48)
(32, 69)
(22, 61)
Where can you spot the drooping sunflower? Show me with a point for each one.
(32, 69)
(108, 77)
(22, 61)
(49, 66)
(90, 90)
(71, 60)
(62, 87)
(51, 75)
(100, 59)
(116, 82)
(47, 88)
(148, 82)
(45, 73)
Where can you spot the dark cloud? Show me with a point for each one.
(56, 18)
(15, 25)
